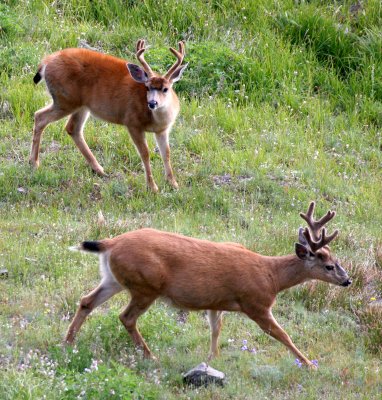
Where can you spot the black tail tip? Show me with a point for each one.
(94, 246)
(37, 78)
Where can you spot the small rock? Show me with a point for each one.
(220, 180)
(203, 375)
(84, 44)
(181, 316)
(5, 110)
(53, 147)
(3, 273)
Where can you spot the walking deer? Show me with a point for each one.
(83, 81)
(198, 274)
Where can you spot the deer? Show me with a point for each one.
(82, 82)
(196, 274)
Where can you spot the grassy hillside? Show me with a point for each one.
(281, 105)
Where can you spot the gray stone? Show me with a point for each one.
(3, 273)
(203, 375)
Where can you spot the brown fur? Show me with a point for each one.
(82, 81)
(200, 275)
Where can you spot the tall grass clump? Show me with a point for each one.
(8, 22)
(347, 43)
(334, 46)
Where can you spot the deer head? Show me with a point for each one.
(313, 249)
(159, 88)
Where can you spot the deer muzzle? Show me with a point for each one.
(152, 104)
(346, 283)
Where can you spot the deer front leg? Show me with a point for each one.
(139, 140)
(164, 148)
(270, 326)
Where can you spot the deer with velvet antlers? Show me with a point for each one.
(198, 274)
(83, 81)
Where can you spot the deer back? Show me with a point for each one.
(102, 83)
(191, 273)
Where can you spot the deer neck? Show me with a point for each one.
(165, 116)
(287, 271)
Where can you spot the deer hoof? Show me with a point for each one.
(150, 356)
(34, 163)
(174, 184)
(67, 342)
(153, 187)
(312, 367)
(99, 171)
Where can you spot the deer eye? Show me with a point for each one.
(329, 267)
(165, 90)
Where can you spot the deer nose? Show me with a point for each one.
(153, 104)
(346, 283)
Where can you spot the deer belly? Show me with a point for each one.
(194, 299)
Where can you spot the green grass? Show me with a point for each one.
(281, 105)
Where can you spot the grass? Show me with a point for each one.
(281, 104)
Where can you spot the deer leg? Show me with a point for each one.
(270, 326)
(88, 303)
(129, 318)
(140, 142)
(74, 127)
(215, 320)
(42, 118)
(164, 148)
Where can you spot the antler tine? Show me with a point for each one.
(315, 226)
(139, 45)
(329, 238)
(308, 217)
(140, 50)
(323, 240)
(179, 55)
(312, 243)
(326, 218)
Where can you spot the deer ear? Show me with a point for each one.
(175, 77)
(303, 252)
(137, 73)
(302, 238)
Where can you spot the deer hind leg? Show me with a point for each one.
(138, 305)
(270, 326)
(143, 150)
(164, 148)
(88, 303)
(74, 127)
(215, 320)
(42, 118)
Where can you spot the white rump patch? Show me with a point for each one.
(105, 271)
(42, 71)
